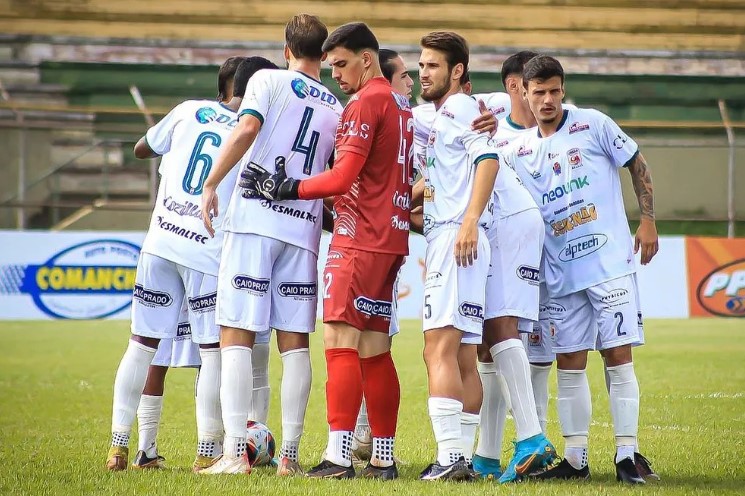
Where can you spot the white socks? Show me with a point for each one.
(209, 414)
(382, 451)
(512, 364)
(295, 391)
(235, 396)
(148, 420)
(261, 390)
(575, 411)
(445, 415)
(128, 387)
(339, 449)
(624, 408)
(493, 412)
(539, 378)
(469, 424)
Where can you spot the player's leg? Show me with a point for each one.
(518, 256)
(492, 417)
(537, 343)
(261, 388)
(158, 287)
(150, 409)
(472, 398)
(242, 310)
(294, 289)
(574, 333)
(617, 319)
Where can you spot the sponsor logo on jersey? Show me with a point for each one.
(334, 255)
(499, 144)
(619, 141)
(181, 231)
(472, 311)
(577, 127)
(615, 297)
(528, 273)
(151, 297)
(402, 201)
(556, 308)
(305, 90)
(183, 329)
(582, 246)
(552, 156)
(187, 209)
(557, 168)
(584, 215)
(431, 138)
(205, 115)
(89, 280)
(560, 191)
(253, 285)
(353, 129)
(399, 224)
(524, 152)
(368, 306)
(428, 222)
(203, 303)
(297, 290)
(535, 174)
(497, 110)
(575, 158)
(448, 114)
(289, 211)
(433, 280)
(722, 291)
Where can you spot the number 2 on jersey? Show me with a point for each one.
(200, 160)
(308, 150)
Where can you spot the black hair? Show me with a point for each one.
(541, 68)
(226, 74)
(248, 68)
(515, 64)
(354, 36)
(386, 58)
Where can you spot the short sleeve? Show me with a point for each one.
(421, 135)
(357, 127)
(479, 146)
(159, 136)
(258, 96)
(616, 145)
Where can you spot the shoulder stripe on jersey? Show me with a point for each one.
(253, 112)
(485, 156)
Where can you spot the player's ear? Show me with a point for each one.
(286, 53)
(367, 58)
(458, 71)
(323, 56)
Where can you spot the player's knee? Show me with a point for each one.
(340, 335)
(617, 356)
(484, 354)
(288, 341)
(149, 342)
(572, 361)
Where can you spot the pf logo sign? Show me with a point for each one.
(722, 292)
(716, 277)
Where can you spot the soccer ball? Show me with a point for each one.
(260, 444)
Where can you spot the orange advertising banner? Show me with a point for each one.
(716, 277)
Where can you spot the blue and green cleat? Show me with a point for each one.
(531, 454)
(487, 468)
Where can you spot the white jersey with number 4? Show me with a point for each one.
(188, 138)
(299, 117)
(452, 155)
(573, 175)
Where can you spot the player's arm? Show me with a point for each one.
(646, 235)
(143, 150)
(157, 139)
(466, 243)
(417, 193)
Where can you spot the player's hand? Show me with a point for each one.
(486, 122)
(416, 220)
(209, 208)
(646, 238)
(466, 242)
(275, 186)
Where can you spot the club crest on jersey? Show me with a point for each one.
(534, 338)
(523, 151)
(557, 168)
(432, 137)
(574, 158)
(619, 141)
(577, 127)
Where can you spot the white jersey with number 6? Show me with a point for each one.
(188, 138)
(299, 118)
(573, 175)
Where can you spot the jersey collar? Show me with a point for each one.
(513, 123)
(309, 77)
(561, 123)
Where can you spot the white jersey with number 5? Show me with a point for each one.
(573, 175)
(188, 138)
(299, 117)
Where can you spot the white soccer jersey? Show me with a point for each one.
(573, 175)
(188, 138)
(453, 152)
(299, 118)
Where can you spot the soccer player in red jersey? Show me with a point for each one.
(371, 180)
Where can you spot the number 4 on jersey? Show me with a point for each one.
(308, 150)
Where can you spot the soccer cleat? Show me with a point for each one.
(202, 462)
(118, 458)
(330, 470)
(563, 471)
(487, 468)
(361, 445)
(626, 472)
(228, 465)
(142, 461)
(381, 473)
(287, 467)
(458, 472)
(644, 467)
(531, 454)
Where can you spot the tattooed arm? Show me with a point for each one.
(646, 234)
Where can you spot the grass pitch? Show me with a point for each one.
(55, 408)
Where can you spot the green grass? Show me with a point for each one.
(55, 409)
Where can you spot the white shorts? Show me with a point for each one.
(512, 284)
(160, 288)
(597, 318)
(454, 296)
(395, 328)
(180, 351)
(266, 284)
(538, 340)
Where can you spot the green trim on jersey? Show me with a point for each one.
(253, 112)
(485, 156)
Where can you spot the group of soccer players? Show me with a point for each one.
(528, 254)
